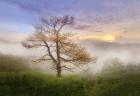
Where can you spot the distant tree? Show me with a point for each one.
(59, 45)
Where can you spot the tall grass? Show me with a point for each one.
(38, 84)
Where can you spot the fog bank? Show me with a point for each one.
(105, 52)
(125, 53)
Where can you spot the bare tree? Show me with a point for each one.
(59, 45)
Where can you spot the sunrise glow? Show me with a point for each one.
(106, 37)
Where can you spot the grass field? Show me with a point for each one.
(31, 83)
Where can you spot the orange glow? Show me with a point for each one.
(106, 37)
(109, 37)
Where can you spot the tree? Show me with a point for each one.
(59, 45)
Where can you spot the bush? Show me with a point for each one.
(10, 63)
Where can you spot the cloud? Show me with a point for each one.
(94, 11)
(100, 10)
(93, 16)
(26, 5)
(82, 26)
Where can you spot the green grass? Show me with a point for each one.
(121, 82)
(38, 84)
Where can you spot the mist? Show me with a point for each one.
(106, 52)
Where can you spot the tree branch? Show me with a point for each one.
(60, 28)
(67, 60)
(67, 68)
(41, 59)
(49, 52)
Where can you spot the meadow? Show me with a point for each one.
(17, 79)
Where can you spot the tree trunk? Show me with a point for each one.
(58, 65)
(58, 68)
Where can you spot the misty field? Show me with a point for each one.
(14, 81)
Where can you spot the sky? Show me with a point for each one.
(107, 20)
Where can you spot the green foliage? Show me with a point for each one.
(10, 63)
(38, 84)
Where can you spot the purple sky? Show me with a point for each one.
(94, 16)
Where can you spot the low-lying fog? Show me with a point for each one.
(105, 52)
(125, 53)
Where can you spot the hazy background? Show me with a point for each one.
(109, 29)
(105, 52)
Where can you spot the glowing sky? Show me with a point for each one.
(101, 19)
